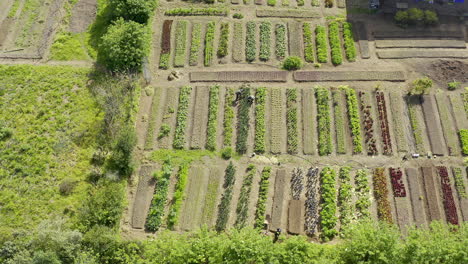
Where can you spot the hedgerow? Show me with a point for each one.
(291, 120)
(280, 33)
(228, 117)
(262, 197)
(328, 205)
(251, 42)
(464, 140)
(308, 42)
(195, 44)
(224, 205)
(181, 43)
(243, 118)
(335, 43)
(209, 42)
(179, 196)
(348, 41)
(156, 210)
(243, 201)
(223, 40)
(354, 120)
(260, 126)
(212, 118)
(265, 39)
(321, 44)
(323, 121)
(196, 12)
(182, 113)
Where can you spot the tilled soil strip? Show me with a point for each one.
(308, 117)
(168, 116)
(463, 199)
(432, 198)
(320, 76)
(451, 137)
(433, 131)
(143, 194)
(458, 111)
(396, 104)
(419, 34)
(405, 54)
(278, 200)
(211, 198)
(200, 121)
(287, 13)
(277, 121)
(417, 197)
(421, 43)
(295, 38)
(239, 76)
(295, 217)
(192, 208)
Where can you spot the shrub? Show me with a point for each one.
(136, 10)
(401, 18)
(209, 42)
(196, 43)
(243, 118)
(238, 16)
(156, 210)
(464, 140)
(321, 44)
(415, 15)
(260, 126)
(335, 43)
(323, 121)
(271, 2)
(179, 196)
(292, 63)
(328, 217)
(164, 131)
(348, 40)
(224, 205)
(250, 42)
(308, 42)
(430, 18)
(182, 113)
(300, 2)
(66, 186)
(421, 86)
(212, 118)
(329, 3)
(265, 38)
(280, 33)
(181, 43)
(124, 46)
(226, 153)
(291, 120)
(262, 197)
(453, 85)
(196, 12)
(223, 40)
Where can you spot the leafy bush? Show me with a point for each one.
(421, 86)
(223, 40)
(225, 204)
(291, 120)
(308, 42)
(164, 131)
(181, 43)
(328, 205)
(329, 3)
(292, 63)
(354, 120)
(464, 140)
(323, 121)
(401, 18)
(182, 113)
(226, 153)
(260, 126)
(228, 117)
(321, 44)
(156, 210)
(196, 43)
(271, 2)
(179, 196)
(209, 42)
(335, 43)
(124, 46)
(262, 197)
(238, 16)
(136, 10)
(250, 42)
(280, 33)
(265, 39)
(243, 118)
(196, 12)
(348, 41)
(430, 18)
(415, 15)
(453, 85)
(243, 201)
(212, 118)
(300, 2)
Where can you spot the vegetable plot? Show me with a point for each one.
(328, 217)
(156, 211)
(212, 118)
(325, 145)
(181, 43)
(251, 42)
(260, 126)
(209, 43)
(335, 43)
(265, 41)
(182, 113)
(291, 120)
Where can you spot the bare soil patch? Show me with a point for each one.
(83, 14)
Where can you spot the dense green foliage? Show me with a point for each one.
(243, 118)
(209, 43)
(243, 201)
(321, 44)
(224, 207)
(228, 118)
(134, 10)
(212, 118)
(354, 120)
(335, 43)
(363, 194)
(179, 196)
(223, 40)
(415, 16)
(260, 126)
(348, 41)
(182, 114)
(339, 122)
(325, 145)
(265, 41)
(251, 42)
(195, 12)
(291, 120)
(308, 42)
(180, 43)
(156, 210)
(464, 140)
(262, 197)
(195, 44)
(421, 86)
(292, 63)
(328, 217)
(280, 34)
(345, 197)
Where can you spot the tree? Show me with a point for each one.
(292, 63)
(135, 10)
(415, 15)
(421, 86)
(401, 17)
(430, 18)
(124, 46)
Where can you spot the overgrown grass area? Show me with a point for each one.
(53, 123)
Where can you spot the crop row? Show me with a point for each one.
(312, 201)
(224, 205)
(384, 127)
(209, 43)
(335, 43)
(447, 125)
(296, 183)
(181, 42)
(243, 120)
(156, 210)
(348, 41)
(465, 101)
(179, 196)
(463, 133)
(228, 118)
(265, 41)
(251, 42)
(363, 194)
(339, 122)
(323, 121)
(237, 42)
(321, 44)
(243, 201)
(195, 44)
(212, 118)
(396, 104)
(182, 114)
(344, 197)
(449, 203)
(149, 141)
(196, 12)
(459, 183)
(223, 40)
(416, 127)
(308, 42)
(381, 196)
(165, 45)
(280, 35)
(396, 178)
(260, 126)
(328, 217)
(354, 120)
(276, 120)
(262, 197)
(368, 123)
(291, 120)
